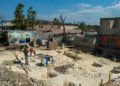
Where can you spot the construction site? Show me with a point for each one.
(36, 52)
(68, 69)
(50, 64)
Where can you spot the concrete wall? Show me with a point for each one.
(14, 37)
(69, 27)
(106, 26)
(87, 42)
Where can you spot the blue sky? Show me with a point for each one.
(89, 11)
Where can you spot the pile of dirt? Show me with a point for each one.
(10, 78)
(73, 55)
(114, 82)
(63, 69)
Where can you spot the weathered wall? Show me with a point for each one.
(105, 26)
(86, 42)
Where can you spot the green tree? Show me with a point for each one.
(31, 18)
(83, 27)
(57, 22)
(19, 17)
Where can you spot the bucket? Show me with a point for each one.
(22, 41)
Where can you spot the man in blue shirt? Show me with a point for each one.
(47, 58)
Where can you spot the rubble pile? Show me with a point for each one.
(116, 70)
(63, 69)
(10, 78)
(114, 82)
(71, 55)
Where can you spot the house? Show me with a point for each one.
(86, 41)
(110, 26)
(18, 37)
(49, 26)
(70, 29)
(50, 31)
(7, 25)
(110, 32)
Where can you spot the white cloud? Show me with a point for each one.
(116, 1)
(93, 14)
(89, 13)
(83, 5)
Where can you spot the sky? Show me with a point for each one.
(88, 11)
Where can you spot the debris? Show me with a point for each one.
(87, 71)
(52, 74)
(101, 83)
(116, 70)
(113, 82)
(96, 64)
(22, 64)
(63, 69)
(10, 78)
(68, 83)
(71, 55)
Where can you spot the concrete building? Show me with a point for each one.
(18, 37)
(110, 32)
(110, 26)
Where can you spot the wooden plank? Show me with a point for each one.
(26, 71)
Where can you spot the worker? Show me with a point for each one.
(47, 58)
(32, 51)
(47, 44)
(25, 51)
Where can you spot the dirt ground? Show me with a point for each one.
(80, 71)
